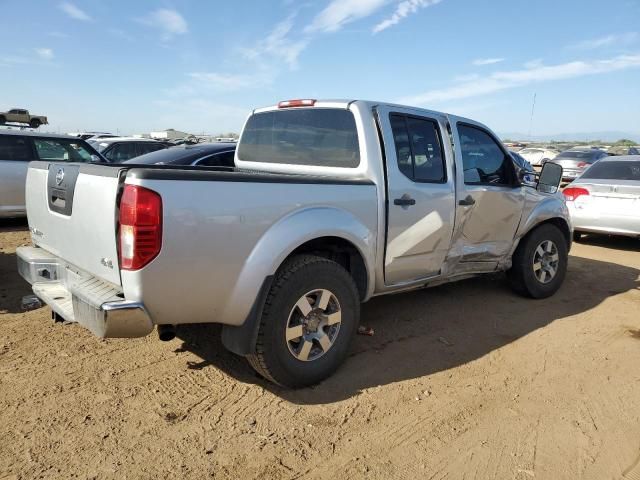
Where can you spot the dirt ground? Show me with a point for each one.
(462, 381)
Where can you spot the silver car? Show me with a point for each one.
(18, 148)
(606, 198)
(577, 160)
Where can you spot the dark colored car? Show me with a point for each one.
(121, 149)
(203, 154)
(575, 161)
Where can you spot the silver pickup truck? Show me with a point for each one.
(330, 204)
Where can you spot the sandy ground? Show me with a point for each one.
(461, 381)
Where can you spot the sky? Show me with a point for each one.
(202, 66)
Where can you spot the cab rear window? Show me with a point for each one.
(303, 136)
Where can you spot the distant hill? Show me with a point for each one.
(569, 137)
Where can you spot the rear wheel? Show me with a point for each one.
(34, 123)
(539, 263)
(3, 119)
(309, 319)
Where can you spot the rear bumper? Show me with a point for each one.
(77, 297)
(586, 220)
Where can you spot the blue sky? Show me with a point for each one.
(201, 66)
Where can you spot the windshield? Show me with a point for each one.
(58, 149)
(310, 136)
(614, 171)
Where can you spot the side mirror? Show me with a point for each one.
(550, 178)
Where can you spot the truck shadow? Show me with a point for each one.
(12, 285)
(428, 331)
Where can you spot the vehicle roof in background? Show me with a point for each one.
(29, 133)
(125, 139)
(183, 153)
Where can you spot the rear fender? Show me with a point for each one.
(283, 238)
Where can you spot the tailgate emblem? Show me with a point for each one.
(59, 176)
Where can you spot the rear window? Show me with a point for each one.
(309, 136)
(580, 155)
(614, 171)
(14, 148)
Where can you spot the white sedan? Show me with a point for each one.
(538, 156)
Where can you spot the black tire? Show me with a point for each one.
(522, 275)
(3, 119)
(34, 123)
(577, 236)
(299, 275)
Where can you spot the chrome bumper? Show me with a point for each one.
(79, 297)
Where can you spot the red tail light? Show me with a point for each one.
(574, 192)
(583, 164)
(297, 103)
(140, 227)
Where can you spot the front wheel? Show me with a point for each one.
(309, 319)
(539, 263)
(34, 123)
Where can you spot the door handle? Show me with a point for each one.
(404, 201)
(466, 202)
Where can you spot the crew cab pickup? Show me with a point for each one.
(330, 204)
(18, 115)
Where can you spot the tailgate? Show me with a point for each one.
(72, 212)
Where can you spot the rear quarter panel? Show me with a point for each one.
(221, 239)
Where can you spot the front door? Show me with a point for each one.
(420, 194)
(489, 199)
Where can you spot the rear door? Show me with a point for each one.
(489, 198)
(15, 154)
(420, 191)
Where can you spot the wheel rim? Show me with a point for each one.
(546, 261)
(313, 325)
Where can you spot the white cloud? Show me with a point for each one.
(404, 9)
(499, 81)
(480, 62)
(74, 12)
(44, 53)
(340, 12)
(279, 45)
(170, 22)
(227, 82)
(607, 41)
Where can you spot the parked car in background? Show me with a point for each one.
(18, 148)
(577, 160)
(606, 198)
(202, 154)
(538, 156)
(92, 135)
(283, 249)
(121, 149)
(18, 115)
(623, 150)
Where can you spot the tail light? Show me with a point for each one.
(582, 164)
(572, 193)
(297, 103)
(140, 227)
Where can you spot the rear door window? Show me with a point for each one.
(15, 148)
(61, 150)
(148, 147)
(418, 148)
(324, 137)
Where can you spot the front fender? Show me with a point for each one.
(540, 208)
(283, 237)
